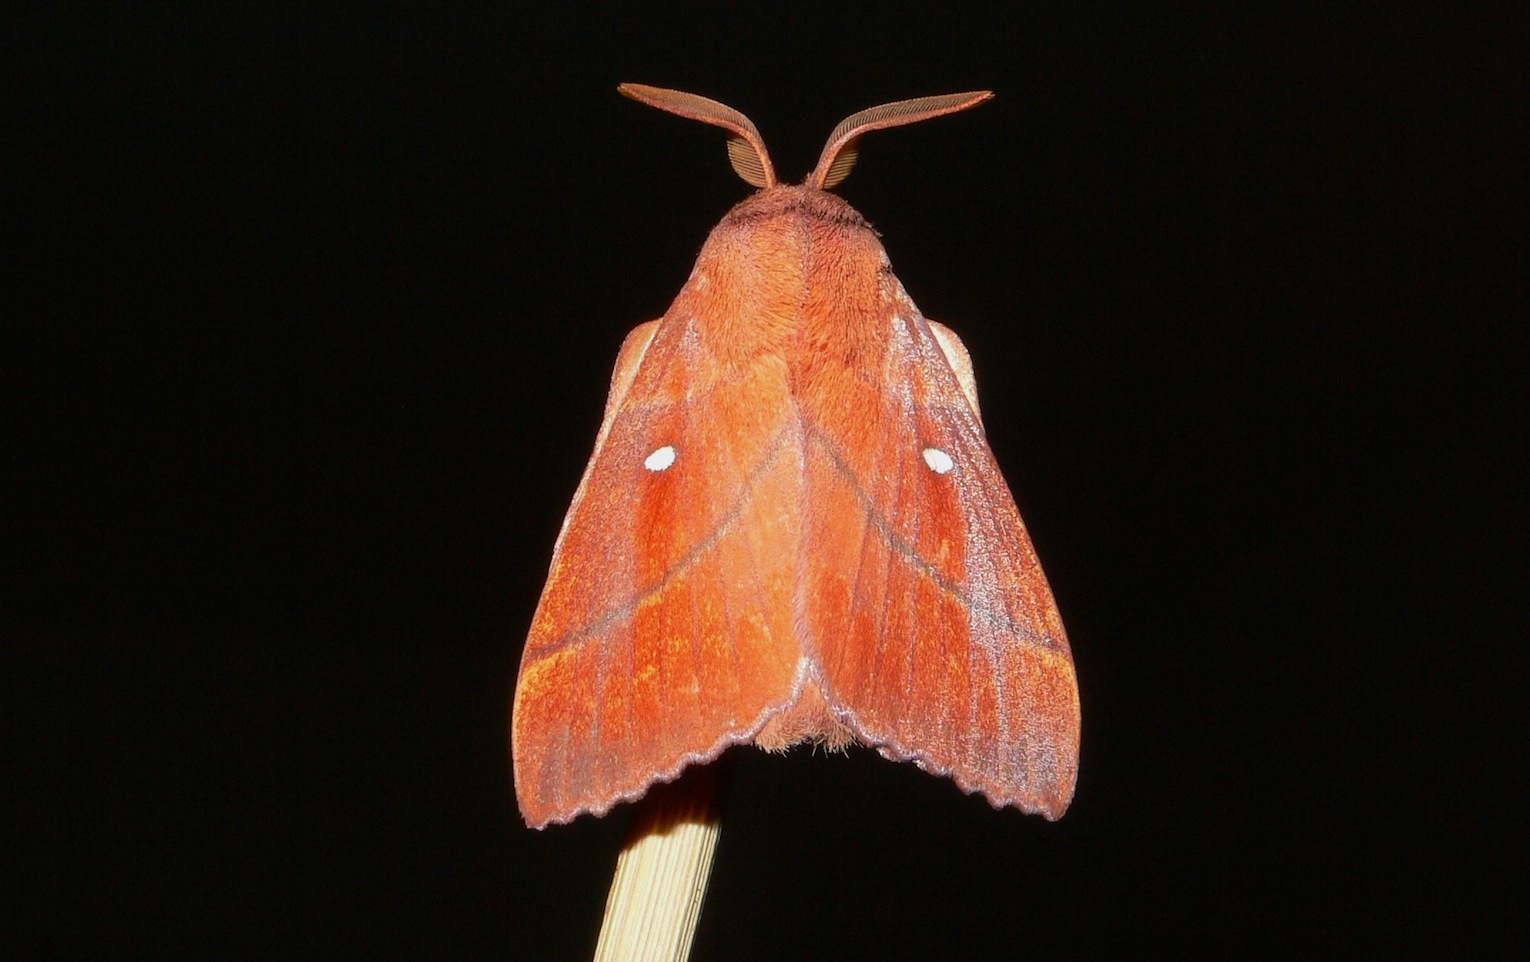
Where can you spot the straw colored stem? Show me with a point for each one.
(661, 874)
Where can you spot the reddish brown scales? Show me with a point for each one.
(793, 529)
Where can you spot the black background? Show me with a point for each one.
(315, 315)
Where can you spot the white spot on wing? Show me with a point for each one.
(665, 456)
(939, 461)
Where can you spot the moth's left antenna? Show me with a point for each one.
(746, 149)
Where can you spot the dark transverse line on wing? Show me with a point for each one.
(627, 608)
(998, 618)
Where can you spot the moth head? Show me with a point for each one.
(746, 149)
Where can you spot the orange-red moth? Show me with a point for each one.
(792, 528)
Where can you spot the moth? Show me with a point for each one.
(792, 528)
